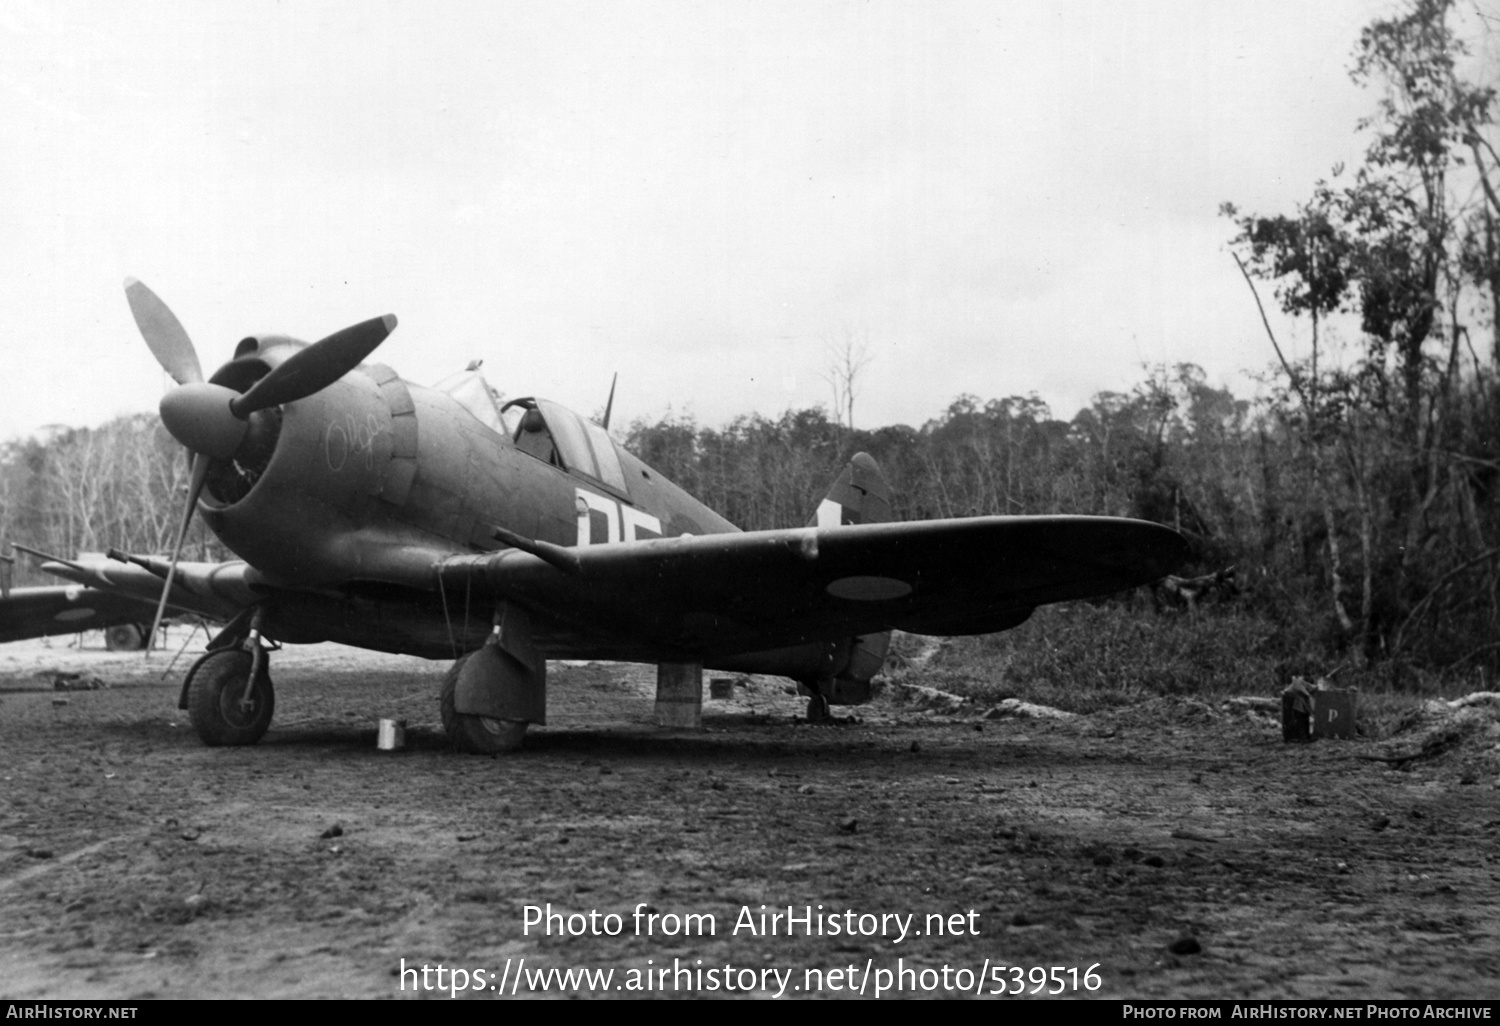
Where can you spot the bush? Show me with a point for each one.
(1084, 658)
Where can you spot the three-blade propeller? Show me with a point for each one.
(212, 420)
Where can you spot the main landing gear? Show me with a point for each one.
(477, 735)
(229, 698)
(818, 710)
(228, 693)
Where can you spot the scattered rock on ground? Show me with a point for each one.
(1028, 710)
(931, 699)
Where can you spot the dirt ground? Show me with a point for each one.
(135, 862)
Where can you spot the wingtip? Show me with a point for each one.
(390, 323)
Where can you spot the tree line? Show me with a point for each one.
(73, 490)
(1319, 528)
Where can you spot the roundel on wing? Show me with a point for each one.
(868, 589)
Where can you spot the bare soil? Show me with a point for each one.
(135, 862)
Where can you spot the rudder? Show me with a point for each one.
(860, 495)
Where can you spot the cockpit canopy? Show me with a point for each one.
(540, 428)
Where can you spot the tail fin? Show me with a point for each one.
(859, 496)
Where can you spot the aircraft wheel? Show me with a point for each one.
(817, 709)
(477, 735)
(216, 685)
(125, 637)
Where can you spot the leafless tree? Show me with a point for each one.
(848, 354)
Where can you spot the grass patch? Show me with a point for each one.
(1085, 658)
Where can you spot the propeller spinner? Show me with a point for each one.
(213, 420)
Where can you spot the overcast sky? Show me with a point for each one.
(998, 198)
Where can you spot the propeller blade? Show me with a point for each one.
(316, 367)
(195, 488)
(163, 333)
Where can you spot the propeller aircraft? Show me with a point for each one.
(441, 522)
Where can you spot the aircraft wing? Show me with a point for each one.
(40, 612)
(108, 592)
(725, 593)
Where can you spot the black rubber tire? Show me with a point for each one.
(476, 735)
(817, 709)
(216, 684)
(125, 637)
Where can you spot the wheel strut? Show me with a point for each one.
(257, 657)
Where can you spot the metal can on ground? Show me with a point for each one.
(392, 735)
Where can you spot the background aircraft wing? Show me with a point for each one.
(725, 593)
(38, 612)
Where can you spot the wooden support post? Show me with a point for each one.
(679, 695)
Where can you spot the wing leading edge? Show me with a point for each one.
(726, 593)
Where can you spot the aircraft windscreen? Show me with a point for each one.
(474, 394)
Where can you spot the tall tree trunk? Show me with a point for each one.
(1335, 561)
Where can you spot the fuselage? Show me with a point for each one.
(373, 481)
